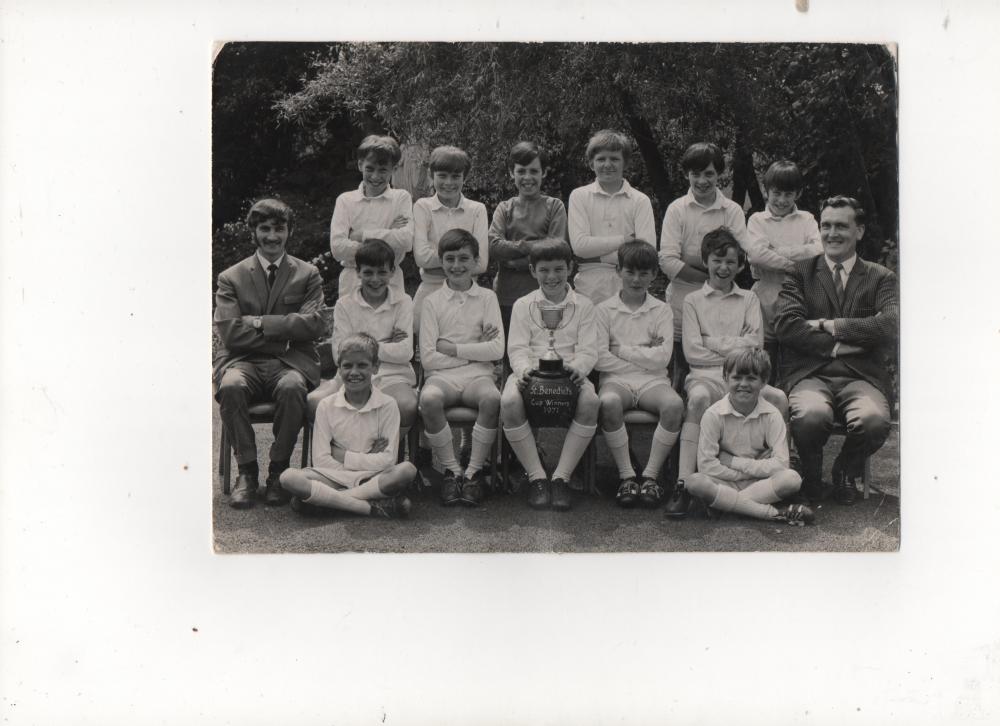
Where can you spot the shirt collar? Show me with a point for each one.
(848, 263)
(570, 297)
(619, 304)
(762, 407)
(626, 190)
(383, 195)
(717, 204)
(451, 294)
(392, 299)
(376, 400)
(709, 290)
(436, 203)
(264, 262)
(768, 214)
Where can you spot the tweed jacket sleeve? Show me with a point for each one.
(873, 308)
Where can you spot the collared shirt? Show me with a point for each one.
(374, 217)
(514, 220)
(717, 323)
(460, 317)
(685, 225)
(599, 222)
(431, 219)
(623, 336)
(745, 438)
(352, 314)
(338, 423)
(777, 241)
(575, 343)
(848, 265)
(265, 263)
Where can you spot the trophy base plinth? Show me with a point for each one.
(550, 368)
(550, 399)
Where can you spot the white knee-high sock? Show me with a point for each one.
(659, 450)
(522, 441)
(369, 490)
(444, 447)
(482, 442)
(323, 495)
(728, 499)
(617, 442)
(762, 491)
(689, 449)
(577, 438)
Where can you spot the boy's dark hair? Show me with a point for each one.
(609, 140)
(525, 152)
(638, 255)
(747, 360)
(383, 148)
(375, 252)
(449, 158)
(841, 201)
(783, 176)
(717, 242)
(698, 156)
(546, 250)
(456, 239)
(266, 209)
(358, 342)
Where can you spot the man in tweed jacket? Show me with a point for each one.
(267, 317)
(837, 321)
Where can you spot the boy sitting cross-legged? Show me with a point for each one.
(743, 449)
(634, 341)
(354, 444)
(460, 336)
(719, 318)
(550, 262)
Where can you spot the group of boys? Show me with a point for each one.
(733, 448)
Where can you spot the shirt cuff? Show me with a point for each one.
(836, 349)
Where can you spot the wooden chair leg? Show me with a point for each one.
(504, 460)
(226, 455)
(868, 475)
(306, 444)
(222, 451)
(590, 468)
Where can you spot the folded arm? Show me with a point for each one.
(708, 451)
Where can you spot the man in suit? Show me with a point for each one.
(837, 321)
(267, 317)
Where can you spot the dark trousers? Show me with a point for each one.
(264, 379)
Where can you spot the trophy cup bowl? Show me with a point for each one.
(550, 396)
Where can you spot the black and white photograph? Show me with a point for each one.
(566, 256)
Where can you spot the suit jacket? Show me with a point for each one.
(868, 318)
(289, 314)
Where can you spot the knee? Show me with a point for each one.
(611, 408)
(873, 425)
(811, 413)
(699, 485)
(290, 479)
(587, 406)
(777, 398)
(490, 403)
(407, 410)
(511, 402)
(787, 483)
(431, 400)
(672, 413)
(698, 402)
(290, 387)
(233, 389)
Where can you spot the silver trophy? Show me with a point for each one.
(552, 318)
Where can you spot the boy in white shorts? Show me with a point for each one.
(719, 318)
(354, 444)
(461, 334)
(378, 309)
(635, 333)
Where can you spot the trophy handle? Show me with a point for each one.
(567, 318)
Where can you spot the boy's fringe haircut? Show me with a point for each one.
(383, 148)
(717, 242)
(747, 360)
(699, 155)
(638, 255)
(609, 140)
(783, 176)
(525, 152)
(375, 252)
(457, 239)
(450, 159)
(358, 342)
(547, 250)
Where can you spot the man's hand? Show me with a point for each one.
(399, 222)
(489, 333)
(575, 374)
(379, 445)
(356, 235)
(396, 336)
(446, 347)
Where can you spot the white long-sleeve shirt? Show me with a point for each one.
(717, 323)
(745, 438)
(431, 219)
(374, 217)
(354, 430)
(576, 343)
(460, 317)
(623, 336)
(352, 314)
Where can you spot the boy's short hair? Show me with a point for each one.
(525, 152)
(698, 156)
(383, 148)
(638, 255)
(358, 342)
(747, 360)
(266, 209)
(783, 176)
(839, 201)
(717, 242)
(449, 158)
(457, 239)
(375, 252)
(609, 140)
(546, 250)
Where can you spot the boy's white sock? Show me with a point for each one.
(323, 495)
(617, 442)
(482, 442)
(444, 446)
(659, 450)
(522, 441)
(728, 499)
(762, 491)
(369, 490)
(577, 438)
(689, 449)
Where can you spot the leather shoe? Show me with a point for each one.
(680, 500)
(844, 491)
(244, 492)
(539, 494)
(274, 495)
(562, 499)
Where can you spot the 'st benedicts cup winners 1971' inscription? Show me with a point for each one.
(550, 395)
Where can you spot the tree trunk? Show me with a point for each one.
(659, 177)
(744, 178)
